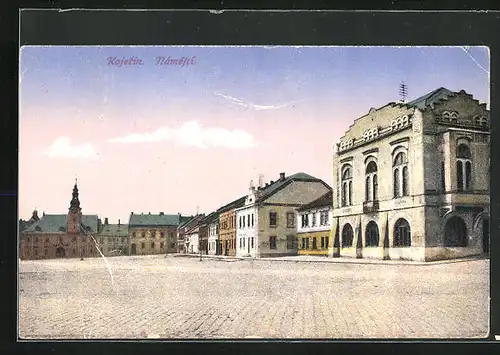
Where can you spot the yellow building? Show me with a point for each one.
(314, 225)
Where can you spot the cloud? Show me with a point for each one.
(191, 134)
(62, 148)
(239, 102)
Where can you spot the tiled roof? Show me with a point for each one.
(53, 223)
(323, 201)
(212, 217)
(278, 185)
(431, 98)
(232, 205)
(193, 221)
(154, 220)
(114, 230)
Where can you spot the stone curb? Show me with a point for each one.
(334, 260)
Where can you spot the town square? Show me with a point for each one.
(251, 199)
(153, 297)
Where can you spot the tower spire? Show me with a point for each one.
(75, 202)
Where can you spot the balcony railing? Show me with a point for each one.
(370, 206)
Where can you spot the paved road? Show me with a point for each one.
(157, 297)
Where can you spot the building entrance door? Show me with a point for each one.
(60, 253)
(133, 249)
(486, 235)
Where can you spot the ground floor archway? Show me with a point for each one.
(60, 252)
(133, 249)
(455, 232)
(486, 235)
(402, 233)
(372, 235)
(347, 236)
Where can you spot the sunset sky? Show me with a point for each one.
(150, 138)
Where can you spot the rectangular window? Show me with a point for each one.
(248, 220)
(153, 245)
(303, 243)
(290, 219)
(307, 243)
(172, 245)
(315, 243)
(239, 222)
(240, 243)
(324, 218)
(272, 242)
(313, 224)
(326, 242)
(290, 242)
(252, 240)
(243, 242)
(143, 245)
(273, 219)
(322, 242)
(161, 245)
(252, 219)
(243, 217)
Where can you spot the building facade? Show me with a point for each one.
(314, 226)
(268, 216)
(214, 245)
(183, 239)
(68, 235)
(227, 226)
(113, 239)
(411, 180)
(151, 234)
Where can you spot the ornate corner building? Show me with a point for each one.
(59, 235)
(411, 180)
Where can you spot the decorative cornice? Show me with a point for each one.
(400, 140)
(345, 160)
(373, 150)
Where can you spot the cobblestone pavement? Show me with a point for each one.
(158, 297)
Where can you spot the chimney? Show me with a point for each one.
(267, 184)
(271, 182)
(161, 213)
(131, 213)
(119, 222)
(261, 180)
(106, 220)
(149, 212)
(282, 176)
(44, 213)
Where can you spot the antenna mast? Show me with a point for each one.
(403, 92)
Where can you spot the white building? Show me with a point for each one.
(214, 247)
(314, 226)
(411, 180)
(246, 228)
(266, 224)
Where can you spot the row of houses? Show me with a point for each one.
(261, 223)
(410, 181)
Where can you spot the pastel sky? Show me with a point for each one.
(150, 138)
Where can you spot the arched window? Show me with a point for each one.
(347, 236)
(400, 175)
(464, 167)
(346, 184)
(455, 233)
(402, 234)
(371, 186)
(372, 237)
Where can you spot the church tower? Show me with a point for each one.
(74, 214)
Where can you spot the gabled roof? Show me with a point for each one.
(212, 217)
(114, 230)
(192, 222)
(56, 223)
(324, 201)
(232, 205)
(270, 190)
(431, 98)
(156, 220)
